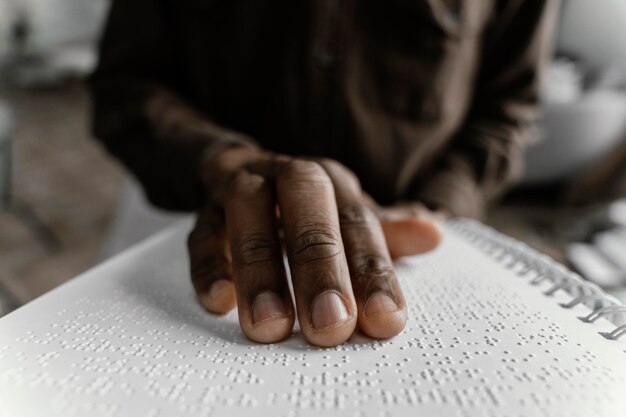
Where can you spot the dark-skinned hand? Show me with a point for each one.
(339, 246)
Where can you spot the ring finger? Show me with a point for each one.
(381, 304)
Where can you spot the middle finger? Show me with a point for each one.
(321, 279)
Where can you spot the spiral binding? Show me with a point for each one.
(525, 262)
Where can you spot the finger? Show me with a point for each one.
(211, 272)
(321, 279)
(402, 211)
(381, 304)
(411, 236)
(219, 166)
(263, 299)
(410, 229)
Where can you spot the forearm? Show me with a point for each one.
(486, 154)
(138, 112)
(160, 139)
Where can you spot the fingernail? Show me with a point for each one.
(379, 302)
(328, 310)
(267, 305)
(219, 298)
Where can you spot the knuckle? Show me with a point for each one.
(202, 240)
(330, 164)
(303, 170)
(201, 268)
(208, 269)
(196, 238)
(254, 248)
(338, 169)
(356, 215)
(244, 183)
(351, 180)
(372, 267)
(340, 172)
(316, 244)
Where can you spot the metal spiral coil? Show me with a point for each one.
(512, 254)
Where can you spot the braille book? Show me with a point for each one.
(495, 329)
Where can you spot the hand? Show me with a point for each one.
(339, 245)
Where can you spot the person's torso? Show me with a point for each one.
(380, 86)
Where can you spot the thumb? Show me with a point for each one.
(411, 236)
(410, 229)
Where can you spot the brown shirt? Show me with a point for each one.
(425, 100)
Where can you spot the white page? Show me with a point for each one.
(129, 339)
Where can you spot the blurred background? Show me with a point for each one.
(65, 205)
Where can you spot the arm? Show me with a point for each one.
(341, 268)
(486, 154)
(137, 113)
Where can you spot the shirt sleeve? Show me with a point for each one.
(138, 114)
(486, 154)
